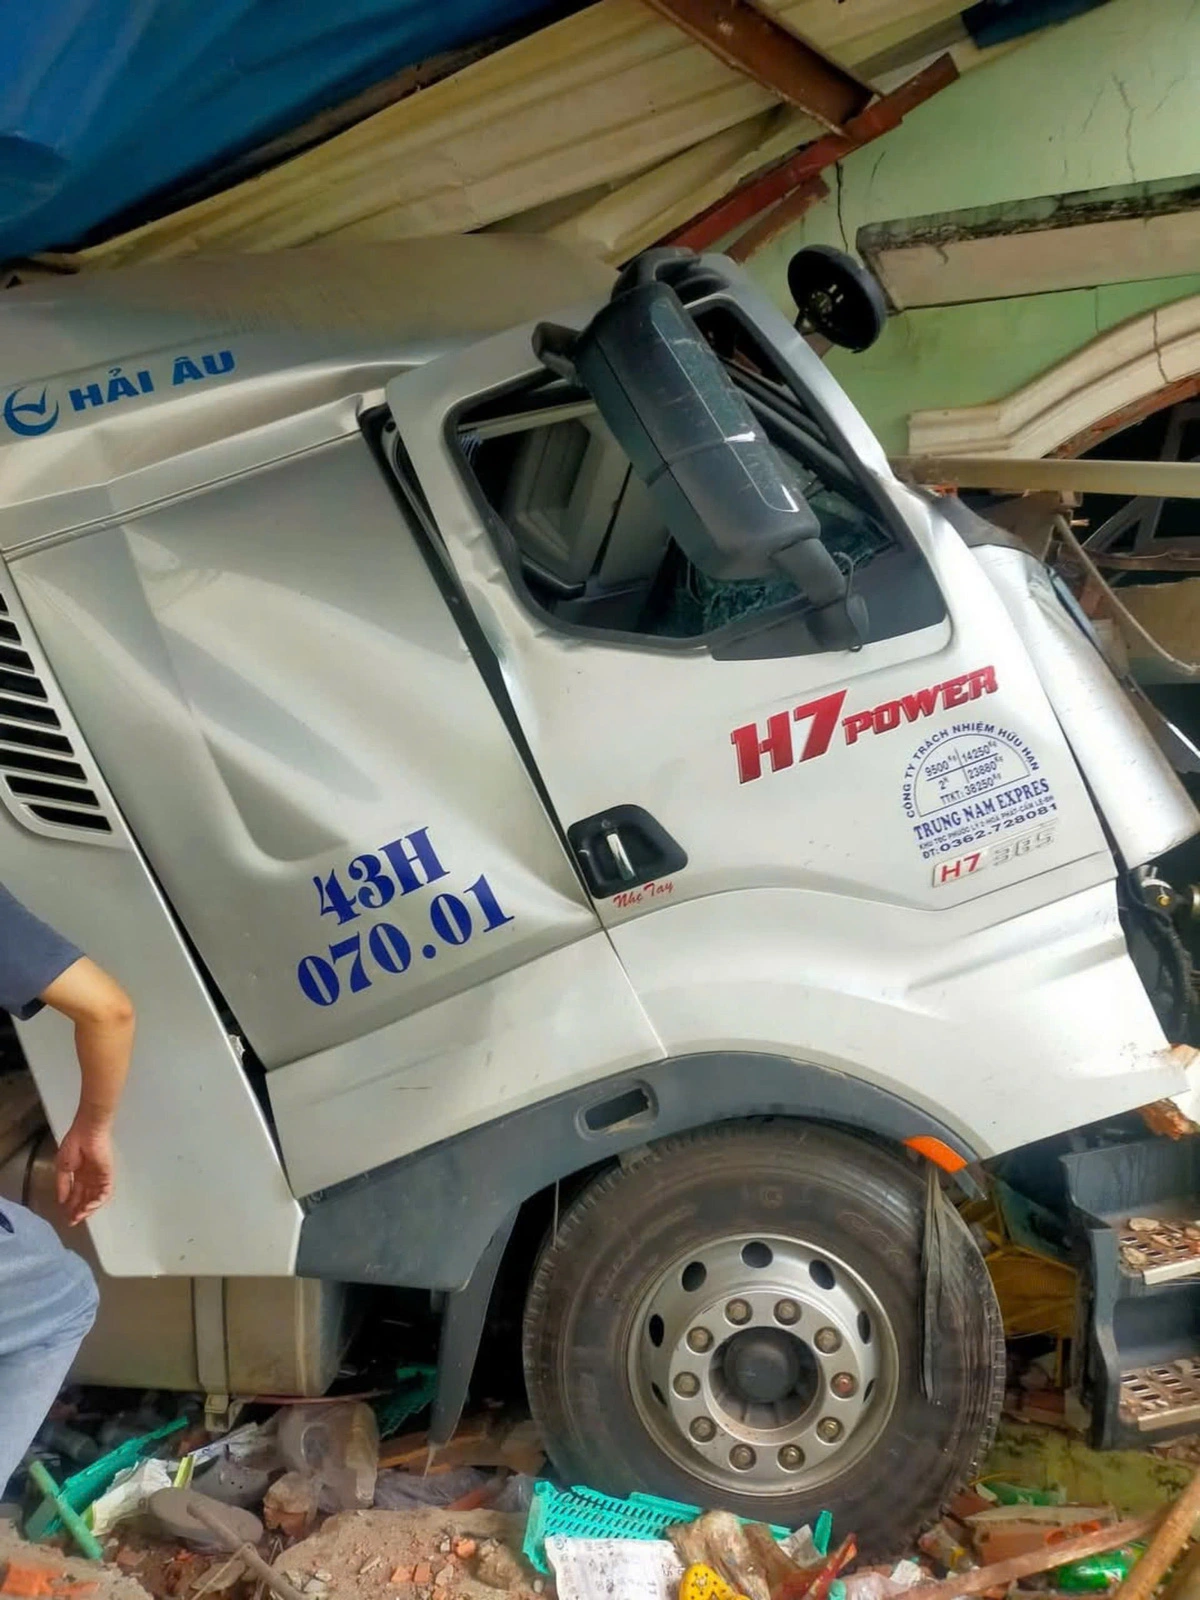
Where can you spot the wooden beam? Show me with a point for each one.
(1161, 480)
(760, 46)
(780, 217)
(779, 183)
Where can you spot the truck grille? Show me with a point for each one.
(38, 765)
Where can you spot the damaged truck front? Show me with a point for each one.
(512, 734)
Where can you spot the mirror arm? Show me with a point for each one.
(838, 619)
(554, 347)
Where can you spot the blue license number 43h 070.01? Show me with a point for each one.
(378, 879)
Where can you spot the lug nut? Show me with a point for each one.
(791, 1457)
(844, 1384)
(703, 1430)
(787, 1312)
(828, 1340)
(829, 1430)
(687, 1384)
(699, 1340)
(742, 1457)
(738, 1311)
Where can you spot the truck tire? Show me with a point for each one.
(734, 1320)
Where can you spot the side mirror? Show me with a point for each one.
(836, 297)
(730, 500)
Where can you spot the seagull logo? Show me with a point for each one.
(29, 417)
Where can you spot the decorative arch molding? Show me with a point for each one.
(1125, 374)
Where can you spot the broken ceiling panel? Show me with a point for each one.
(591, 101)
(620, 220)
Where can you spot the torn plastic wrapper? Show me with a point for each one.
(130, 1491)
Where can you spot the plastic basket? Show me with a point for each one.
(582, 1513)
(90, 1483)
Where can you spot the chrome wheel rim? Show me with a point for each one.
(762, 1364)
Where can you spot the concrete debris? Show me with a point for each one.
(338, 1445)
(291, 1504)
(497, 1567)
(377, 1555)
(51, 1574)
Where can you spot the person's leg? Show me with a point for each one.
(47, 1304)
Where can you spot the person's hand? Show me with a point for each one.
(84, 1170)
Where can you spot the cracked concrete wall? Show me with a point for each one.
(1111, 97)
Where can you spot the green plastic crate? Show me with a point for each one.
(90, 1483)
(582, 1513)
(414, 1390)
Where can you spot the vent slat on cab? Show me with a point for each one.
(39, 769)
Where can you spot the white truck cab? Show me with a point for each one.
(509, 729)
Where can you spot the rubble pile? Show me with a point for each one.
(308, 1501)
(305, 1501)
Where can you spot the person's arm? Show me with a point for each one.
(104, 1022)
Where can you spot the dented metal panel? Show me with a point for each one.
(114, 388)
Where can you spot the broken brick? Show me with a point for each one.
(423, 1574)
(465, 1549)
(29, 1582)
(291, 1504)
(966, 1503)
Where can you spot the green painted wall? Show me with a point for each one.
(1112, 97)
(960, 355)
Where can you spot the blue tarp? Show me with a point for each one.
(105, 102)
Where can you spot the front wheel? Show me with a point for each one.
(735, 1321)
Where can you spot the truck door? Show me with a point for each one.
(754, 812)
(324, 787)
(692, 739)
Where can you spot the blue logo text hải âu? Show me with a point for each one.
(30, 411)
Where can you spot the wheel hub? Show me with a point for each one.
(762, 1364)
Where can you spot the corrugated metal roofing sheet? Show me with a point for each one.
(610, 94)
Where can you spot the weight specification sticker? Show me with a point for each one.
(970, 781)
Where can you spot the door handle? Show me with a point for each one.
(620, 855)
(621, 847)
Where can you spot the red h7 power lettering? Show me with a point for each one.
(822, 716)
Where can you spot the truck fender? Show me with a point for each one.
(426, 1220)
